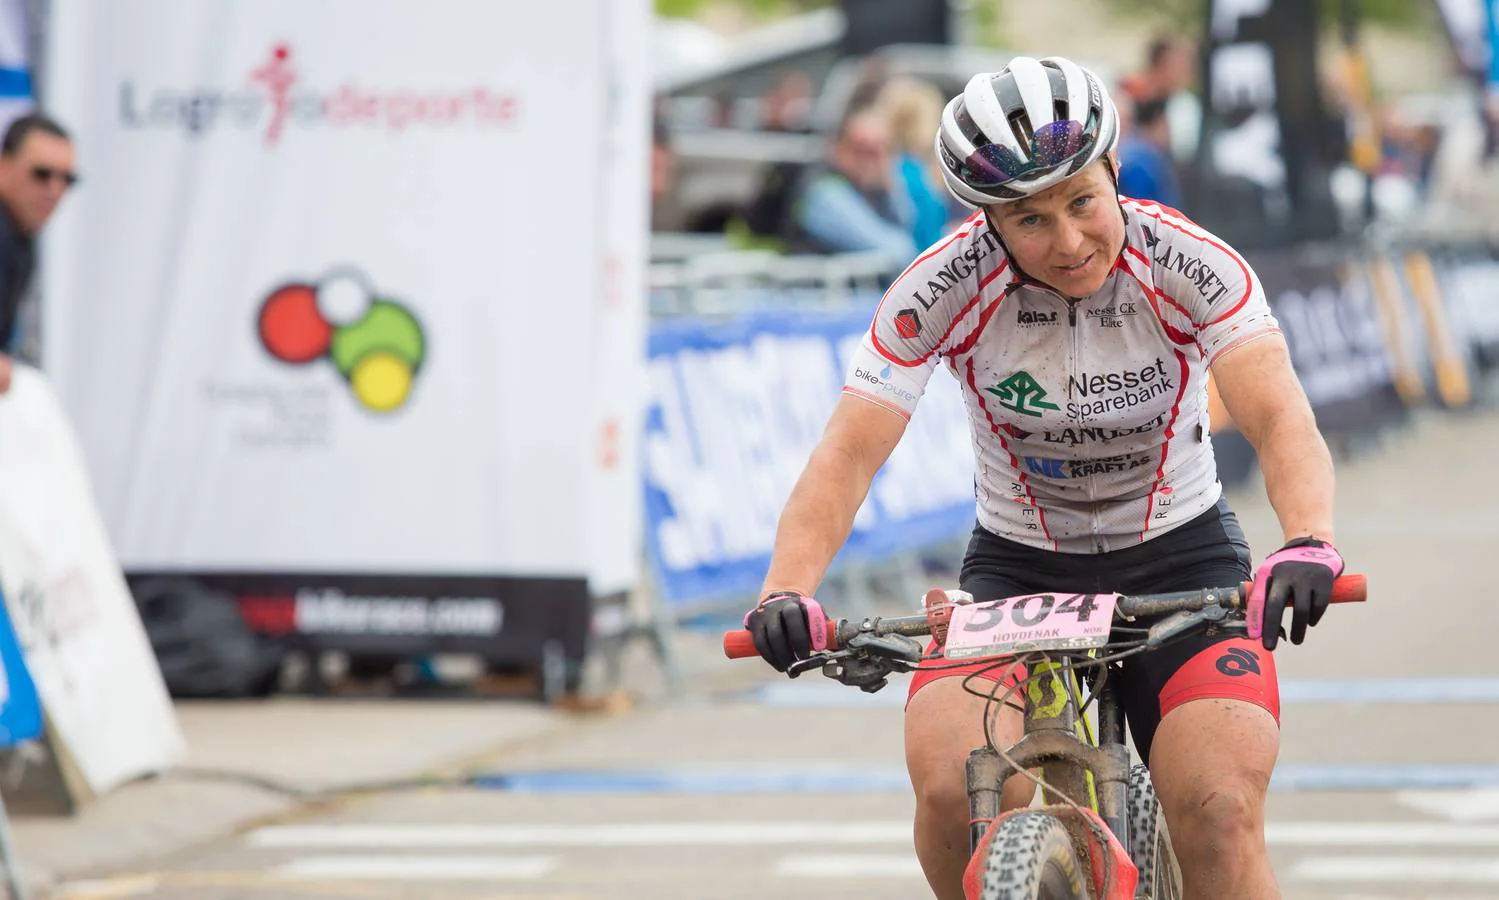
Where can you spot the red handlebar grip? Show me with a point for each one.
(1346, 589)
(1350, 589)
(739, 644)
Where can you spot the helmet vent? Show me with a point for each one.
(1020, 124)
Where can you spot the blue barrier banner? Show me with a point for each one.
(20, 708)
(735, 409)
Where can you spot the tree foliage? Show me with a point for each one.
(1404, 14)
(760, 9)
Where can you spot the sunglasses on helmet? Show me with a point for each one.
(1052, 145)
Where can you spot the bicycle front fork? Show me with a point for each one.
(1065, 760)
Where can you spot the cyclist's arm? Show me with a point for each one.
(820, 512)
(1263, 396)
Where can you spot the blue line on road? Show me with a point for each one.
(1405, 691)
(756, 778)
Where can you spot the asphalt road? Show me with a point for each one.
(1388, 785)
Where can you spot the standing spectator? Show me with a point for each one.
(1146, 171)
(849, 204)
(36, 169)
(663, 167)
(913, 108)
(1170, 70)
(787, 106)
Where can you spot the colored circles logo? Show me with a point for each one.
(374, 342)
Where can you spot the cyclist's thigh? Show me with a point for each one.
(1208, 552)
(944, 723)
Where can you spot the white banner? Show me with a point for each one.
(355, 286)
(74, 618)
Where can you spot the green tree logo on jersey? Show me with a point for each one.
(1022, 393)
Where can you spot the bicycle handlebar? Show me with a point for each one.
(1347, 589)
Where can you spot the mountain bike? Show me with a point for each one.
(1099, 832)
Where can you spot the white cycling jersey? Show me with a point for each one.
(1089, 417)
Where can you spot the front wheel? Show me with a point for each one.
(1150, 842)
(1031, 858)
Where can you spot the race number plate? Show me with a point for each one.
(1028, 623)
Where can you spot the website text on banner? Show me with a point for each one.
(735, 410)
(334, 337)
(76, 622)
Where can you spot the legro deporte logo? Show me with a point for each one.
(1022, 393)
(374, 342)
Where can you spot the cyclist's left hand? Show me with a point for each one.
(1300, 576)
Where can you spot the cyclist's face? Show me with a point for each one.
(1067, 236)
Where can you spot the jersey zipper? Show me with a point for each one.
(1077, 355)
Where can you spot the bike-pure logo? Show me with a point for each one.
(273, 99)
(1029, 318)
(1112, 316)
(954, 271)
(1023, 394)
(1120, 390)
(882, 384)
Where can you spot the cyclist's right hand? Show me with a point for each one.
(787, 627)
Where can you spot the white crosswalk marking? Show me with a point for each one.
(1380, 834)
(849, 866)
(1408, 869)
(729, 834)
(417, 868)
(791, 850)
(645, 834)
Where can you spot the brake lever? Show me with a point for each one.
(866, 662)
(895, 647)
(1215, 615)
(815, 661)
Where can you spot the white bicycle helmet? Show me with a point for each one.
(1023, 129)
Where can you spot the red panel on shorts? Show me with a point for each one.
(1239, 669)
(991, 668)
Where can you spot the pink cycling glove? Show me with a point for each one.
(1299, 575)
(787, 627)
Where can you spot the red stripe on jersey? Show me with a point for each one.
(1160, 470)
(1005, 446)
(973, 336)
(951, 326)
(1204, 237)
(1176, 334)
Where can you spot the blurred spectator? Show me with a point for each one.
(873, 74)
(36, 169)
(1463, 184)
(913, 108)
(663, 167)
(1170, 71)
(788, 105)
(1146, 171)
(849, 204)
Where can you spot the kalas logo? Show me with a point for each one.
(273, 100)
(375, 343)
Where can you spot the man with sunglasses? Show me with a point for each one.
(36, 169)
(1081, 327)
